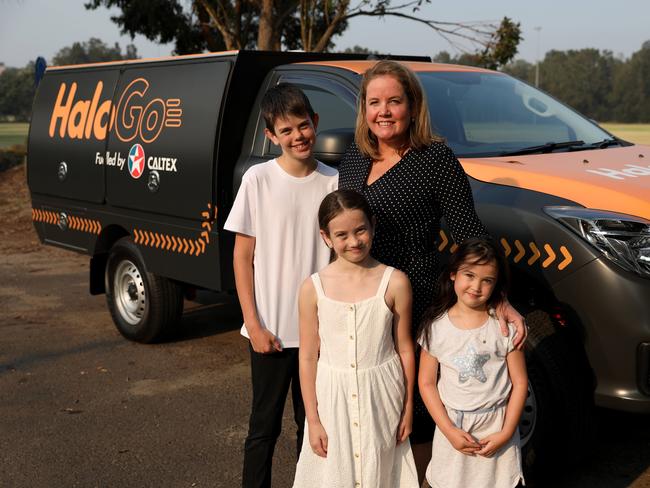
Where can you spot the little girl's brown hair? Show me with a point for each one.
(338, 201)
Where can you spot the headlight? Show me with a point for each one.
(622, 238)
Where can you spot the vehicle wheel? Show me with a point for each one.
(558, 413)
(144, 307)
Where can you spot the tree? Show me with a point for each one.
(271, 24)
(521, 69)
(17, 93)
(582, 79)
(92, 51)
(498, 50)
(631, 94)
(358, 50)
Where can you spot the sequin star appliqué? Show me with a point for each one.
(471, 365)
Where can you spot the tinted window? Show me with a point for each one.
(487, 114)
(333, 111)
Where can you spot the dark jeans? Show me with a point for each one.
(272, 375)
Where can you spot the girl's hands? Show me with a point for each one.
(405, 425)
(492, 444)
(463, 442)
(318, 438)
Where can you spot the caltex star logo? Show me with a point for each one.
(136, 161)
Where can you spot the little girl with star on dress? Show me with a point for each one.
(478, 398)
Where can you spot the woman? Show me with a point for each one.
(411, 180)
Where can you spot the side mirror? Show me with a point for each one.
(331, 145)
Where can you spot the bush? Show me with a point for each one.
(11, 156)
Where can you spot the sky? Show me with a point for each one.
(31, 28)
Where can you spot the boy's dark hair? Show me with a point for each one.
(283, 100)
(338, 201)
(477, 250)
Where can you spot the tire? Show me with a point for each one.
(145, 307)
(559, 411)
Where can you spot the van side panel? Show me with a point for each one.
(164, 137)
(71, 119)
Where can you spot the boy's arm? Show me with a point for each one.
(519, 378)
(308, 364)
(404, 346)
(428, 383)
(262, 340)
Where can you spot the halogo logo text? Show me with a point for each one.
(134, 116)
(630, 171)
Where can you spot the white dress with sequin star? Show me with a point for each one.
(360, 391)
(474, 387)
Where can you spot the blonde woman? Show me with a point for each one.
(411, 180)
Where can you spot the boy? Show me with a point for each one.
(276, 247)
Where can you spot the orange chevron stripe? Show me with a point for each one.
(205, 235)
(191, 246)
(168, 241)
(202, 247)
(185, 247)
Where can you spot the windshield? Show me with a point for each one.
(487, 114)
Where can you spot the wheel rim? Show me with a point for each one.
(528, 417)
(128, 289)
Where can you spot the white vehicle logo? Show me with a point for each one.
(631, 171)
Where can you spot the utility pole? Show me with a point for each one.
(538, 29)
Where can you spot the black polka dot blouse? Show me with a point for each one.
(409, 201)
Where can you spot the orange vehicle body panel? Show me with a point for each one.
(361, 67)
(570, 175)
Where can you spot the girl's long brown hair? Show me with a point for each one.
(478, 250)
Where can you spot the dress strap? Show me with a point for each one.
(318, 285)
(383, 284)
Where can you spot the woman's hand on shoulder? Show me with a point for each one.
(317, 438)
(506, 314)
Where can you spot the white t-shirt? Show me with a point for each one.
(473, 368)
(281, 212)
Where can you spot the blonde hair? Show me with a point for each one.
(420, 132)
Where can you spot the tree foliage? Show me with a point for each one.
(594, 82)
(92, 51)
(17, 93)
(311, 25)
(498, 50)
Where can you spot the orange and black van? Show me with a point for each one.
(136, 164)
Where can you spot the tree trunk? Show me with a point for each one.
(265, 33)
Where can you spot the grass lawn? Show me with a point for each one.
(637, 133)
(13, 133)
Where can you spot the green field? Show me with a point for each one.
(13, 133)
(16, 133)
(638, 133)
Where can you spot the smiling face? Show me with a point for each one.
(350, 235)
(388, 114)
(296, 135)
(474, 283)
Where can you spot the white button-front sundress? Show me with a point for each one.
(360, 390)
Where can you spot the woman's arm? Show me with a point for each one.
(506, 314)
(519, 378)
(428, 383)
(403, 300)
(308, 361)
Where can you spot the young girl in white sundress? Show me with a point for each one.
(357, 382)
(477, 401)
